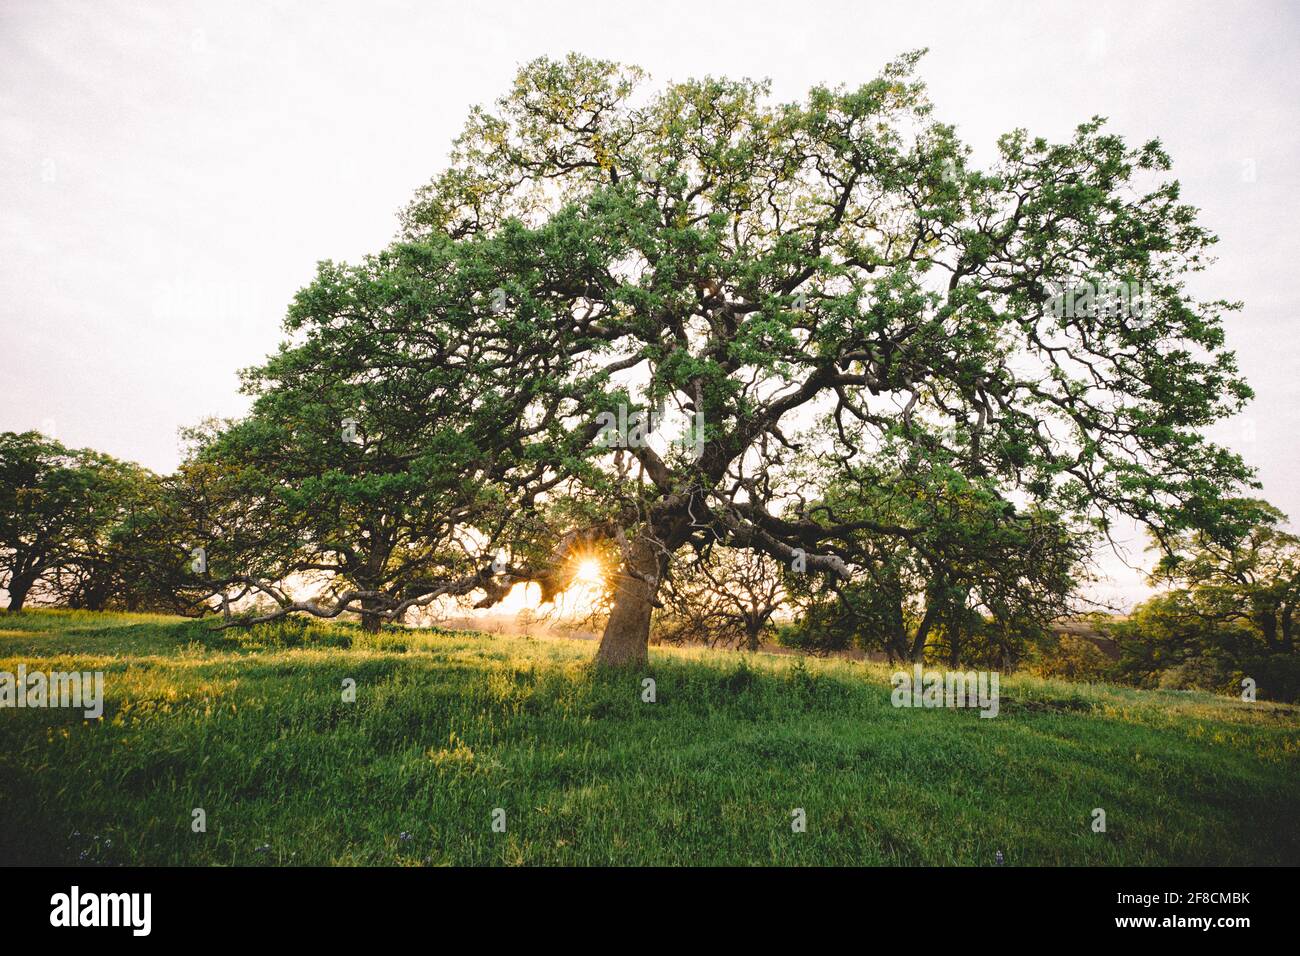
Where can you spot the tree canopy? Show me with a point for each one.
(65, 516)
(813, 288)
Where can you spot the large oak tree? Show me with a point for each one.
(806, 282)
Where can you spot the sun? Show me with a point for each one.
(589, 571)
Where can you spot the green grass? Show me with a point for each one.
(448, 726)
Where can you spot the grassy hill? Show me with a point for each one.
(446, 727)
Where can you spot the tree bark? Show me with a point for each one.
(18, 589)
(626, 640)
(370, 622)
(922, 636)
(1267, 623)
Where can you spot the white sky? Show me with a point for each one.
(171, 172)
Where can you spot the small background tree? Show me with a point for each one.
(724, 597)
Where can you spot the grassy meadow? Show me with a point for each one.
(251, 726)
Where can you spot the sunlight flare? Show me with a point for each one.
(589, 571)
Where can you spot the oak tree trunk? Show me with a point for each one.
(370, 621)
(626, 640)
(18, 588)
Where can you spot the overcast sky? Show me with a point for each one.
(171, 172)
